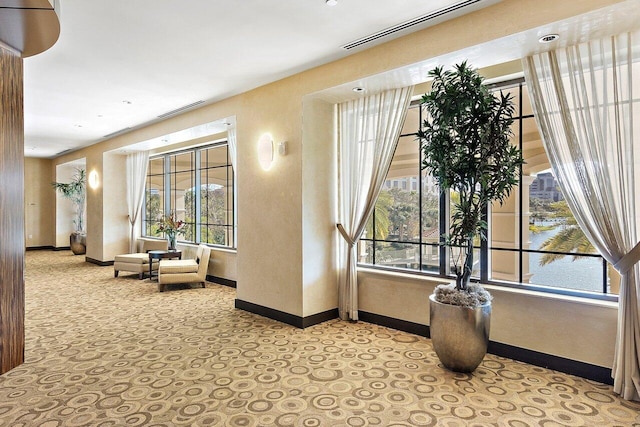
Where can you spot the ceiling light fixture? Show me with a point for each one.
(358, 89)
(331, 2)
(126, 102)
(549, 38)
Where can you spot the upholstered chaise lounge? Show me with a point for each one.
(139, 262)
(172, 271)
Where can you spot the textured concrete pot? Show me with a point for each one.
(460, 335)
(78, 243)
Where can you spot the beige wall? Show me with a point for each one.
(39, 198)
(115, 214)
(573, 328)
(319, 208)
(285, 257)
(222, 262)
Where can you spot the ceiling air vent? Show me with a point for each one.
(63, 152)
(408, 24)
(118, 132)
(179, 110)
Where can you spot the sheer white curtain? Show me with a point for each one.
(233, 150)
(137, 164)
(369, 129)
(232, 143)
(587, 107)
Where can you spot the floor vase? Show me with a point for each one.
(460, 335)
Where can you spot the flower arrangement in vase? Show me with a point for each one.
(171, 227)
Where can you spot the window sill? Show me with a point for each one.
(494, 289)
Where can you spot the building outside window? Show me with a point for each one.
(533, 239)
(197, 185)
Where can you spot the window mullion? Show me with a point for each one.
(484, 247)
(444, 229)
(196, 195)
(167, 185)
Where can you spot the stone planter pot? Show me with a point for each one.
(78, 243)
(460, 335)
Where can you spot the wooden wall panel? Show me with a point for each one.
(11, 211)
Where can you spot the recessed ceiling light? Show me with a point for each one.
(126, 102)
(78, 126)
(226, 124)
(549, 38)
(358, 89)
(331, 2)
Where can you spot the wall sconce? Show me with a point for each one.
(94, 180)
(265, 151)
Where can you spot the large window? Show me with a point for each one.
(197, 185)
(533, 239)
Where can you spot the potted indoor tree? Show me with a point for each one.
(77, 193)
(465, 141)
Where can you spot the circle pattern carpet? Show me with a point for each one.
(105, 351)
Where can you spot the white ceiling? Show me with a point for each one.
(120, 64)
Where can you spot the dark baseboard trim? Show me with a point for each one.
(557, 363)
(319, 318)
(221, 281)
(62, 248)
(289, 319)
(40, 248)
(390, 322)
(97, 262)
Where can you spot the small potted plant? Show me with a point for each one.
(465, 141)
(77, 193)
(171, 227)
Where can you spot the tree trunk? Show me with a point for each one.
(463, 277)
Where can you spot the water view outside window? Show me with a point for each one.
(533, 239)
(200, 188)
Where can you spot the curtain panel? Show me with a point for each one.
(232, 144)
(369, 128)
(136, 165)
(588, 112)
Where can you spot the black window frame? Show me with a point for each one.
(196, 170)
(485, 248)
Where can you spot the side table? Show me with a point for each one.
(158, 255)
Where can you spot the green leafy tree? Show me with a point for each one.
(540, 209)
(404, 214)
(381, 216)
(154, 211)
(213, 214)
(76, 191)
(430, 210)
(465, 140)
(570, 239)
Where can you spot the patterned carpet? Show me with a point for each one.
(103, 351)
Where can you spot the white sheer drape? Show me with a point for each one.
(137, 164)
(369, 129)
(586, 107)
(233, 150)
(232, 143)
